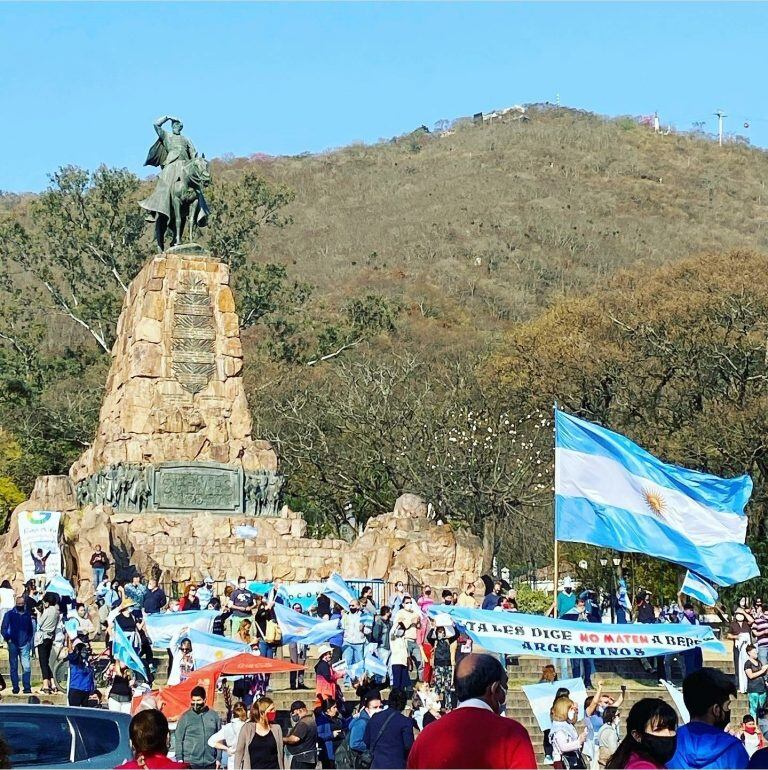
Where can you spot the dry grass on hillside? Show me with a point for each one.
(485, 226)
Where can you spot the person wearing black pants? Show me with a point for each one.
(82, 683)
(46, 630)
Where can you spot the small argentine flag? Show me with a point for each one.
(610, 492)
(698, 588)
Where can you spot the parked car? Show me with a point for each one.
(64, 736)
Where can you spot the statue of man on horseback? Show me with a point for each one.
(178, 196)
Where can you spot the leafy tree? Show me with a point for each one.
(78, 247)
(675, 359)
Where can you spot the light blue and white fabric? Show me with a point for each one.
(338, 591)
(515, 633)
(58, 584)
(612, 493)
(542, 695)
(304, 629)
(162, 627)
(371, 665)
(695, 586)
(206, 648)
(303, 593)
(123, 651)
(677, 698)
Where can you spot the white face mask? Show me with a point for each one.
(571, 714)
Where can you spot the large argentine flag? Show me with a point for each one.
(610, 492)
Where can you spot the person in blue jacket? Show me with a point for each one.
(703, 742)
(331, 729)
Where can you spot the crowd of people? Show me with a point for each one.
(440, 691)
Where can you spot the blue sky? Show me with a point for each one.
(82, 83)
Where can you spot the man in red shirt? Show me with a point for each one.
(474, 735)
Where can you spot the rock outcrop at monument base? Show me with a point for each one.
(178, 548)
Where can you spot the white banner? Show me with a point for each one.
(40, 529)
(541, 697)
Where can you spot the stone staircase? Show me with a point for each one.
(523, 670)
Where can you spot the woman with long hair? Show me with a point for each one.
(331, 727)
(226, 738)
(566, 741)
(260, 743)
(189, 601)
(244, 633)
(651, 737)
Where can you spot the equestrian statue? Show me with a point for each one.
(178, 197)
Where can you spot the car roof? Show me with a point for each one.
(43, 708)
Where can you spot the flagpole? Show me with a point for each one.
(554, 528)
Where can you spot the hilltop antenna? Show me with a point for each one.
(720, 115)
(557, 99)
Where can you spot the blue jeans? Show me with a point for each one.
(589, 668)
(762, 653)
(23, 654)
(352, 653)
(267, 651)
(98, 576)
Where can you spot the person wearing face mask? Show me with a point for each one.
(410, 618)
(751, 736)
(243, 603)
(195, 727)
(474, 735)
(740, 632)
(566, 600)
(651, 737)
(353, 649)
(260, 743)
(302, 738)
(704, 742)
(442, 637)
(607, 738)
(396, 599)
(371, 704)
(567, 742)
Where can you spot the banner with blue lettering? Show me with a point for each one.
(514, 633)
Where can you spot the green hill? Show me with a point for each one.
(485, 226)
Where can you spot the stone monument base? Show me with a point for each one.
(186, 547)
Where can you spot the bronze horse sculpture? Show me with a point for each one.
(178, 196)
(188, 205)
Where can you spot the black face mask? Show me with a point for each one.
(661, 749)
(724, 719)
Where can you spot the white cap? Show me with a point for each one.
(567, 582)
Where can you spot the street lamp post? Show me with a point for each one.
(605, 586)
(616, 566)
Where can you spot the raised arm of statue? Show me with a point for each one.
(159, 125)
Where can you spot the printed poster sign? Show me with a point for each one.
(40, 529)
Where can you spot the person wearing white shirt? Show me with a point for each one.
(226, 738)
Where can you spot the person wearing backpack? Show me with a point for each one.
(389, 734)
